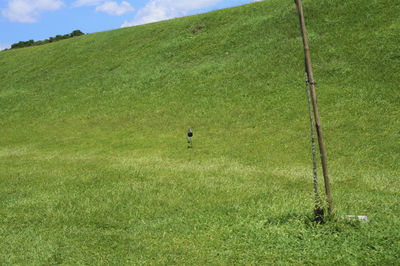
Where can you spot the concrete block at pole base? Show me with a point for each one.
(363, 219)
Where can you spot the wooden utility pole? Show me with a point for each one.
(315, 106)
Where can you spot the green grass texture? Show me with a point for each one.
(94, 164)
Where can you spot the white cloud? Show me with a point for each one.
(28, 11)
(4, 46)
(80, 3)
(107, 6)
(157, 10)
(112, 8)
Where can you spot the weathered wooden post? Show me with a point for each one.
(315, 106)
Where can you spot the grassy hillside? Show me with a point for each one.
(94, 166)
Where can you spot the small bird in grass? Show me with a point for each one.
(189, 138)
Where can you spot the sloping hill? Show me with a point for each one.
(95, 168)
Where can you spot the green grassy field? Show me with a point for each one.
(94, 166)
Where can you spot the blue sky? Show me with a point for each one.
(23, 20)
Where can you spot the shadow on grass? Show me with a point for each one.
(314, 220)
(288, 218)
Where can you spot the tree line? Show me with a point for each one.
(21, 44)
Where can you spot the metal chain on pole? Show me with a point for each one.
(318, 211)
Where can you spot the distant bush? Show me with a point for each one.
(22, 44)
(76, 33)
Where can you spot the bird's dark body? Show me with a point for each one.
(189, 138)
